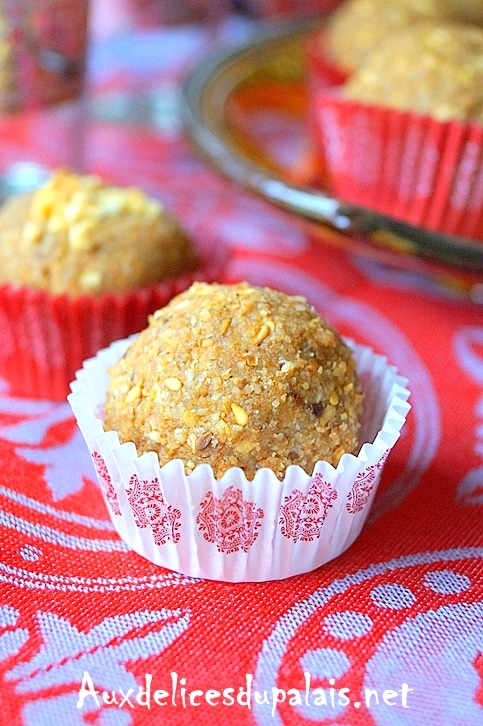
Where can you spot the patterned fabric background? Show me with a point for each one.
(390, 633)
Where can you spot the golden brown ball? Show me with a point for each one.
(77, 235)
(432, 68)
(358, 26)
(234, 375)
(467, 11)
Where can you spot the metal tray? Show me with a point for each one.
(276, 56)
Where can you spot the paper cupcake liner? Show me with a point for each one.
(234, 529)
(323, 74)
(45, 337)
(408, 166)
(322, 70)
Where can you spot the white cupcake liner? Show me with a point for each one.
(233, 529)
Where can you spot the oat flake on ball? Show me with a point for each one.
(233, 375)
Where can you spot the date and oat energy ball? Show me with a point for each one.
(77, 235)
(355, 27)
(432, 68)
(234, 375)
(466, 11)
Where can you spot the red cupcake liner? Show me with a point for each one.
(323, 71)
(45, 338)
(409, 166)
(322, 75)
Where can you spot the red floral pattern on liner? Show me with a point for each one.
(106, 482)
(302, 516)
(150, 510)
(363, 486)
(231, 522)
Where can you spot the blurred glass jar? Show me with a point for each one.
(43, 47)
(42, 52)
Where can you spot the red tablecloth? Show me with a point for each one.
(389, 633)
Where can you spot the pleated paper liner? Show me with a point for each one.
(235, 529)
(322, 75)
(409, 166)
(323, 71)
(45, 337)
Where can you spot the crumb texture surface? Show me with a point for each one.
(77, 235)
(431, 68)
(368, 22)
(234, 375)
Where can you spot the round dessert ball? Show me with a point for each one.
(234, 375)
(77, 235)
(468, 11)
(432, 68)
(357, 26)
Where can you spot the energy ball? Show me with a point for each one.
(235, 375)
(432, 68)
(355, 27)
(77, 235)
(468, 11)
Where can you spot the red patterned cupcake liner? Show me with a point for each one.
(234, 529)
(409, 166)
(322, 71)
(45, 338)
(323, 74)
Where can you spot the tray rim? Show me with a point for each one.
(204, 93)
